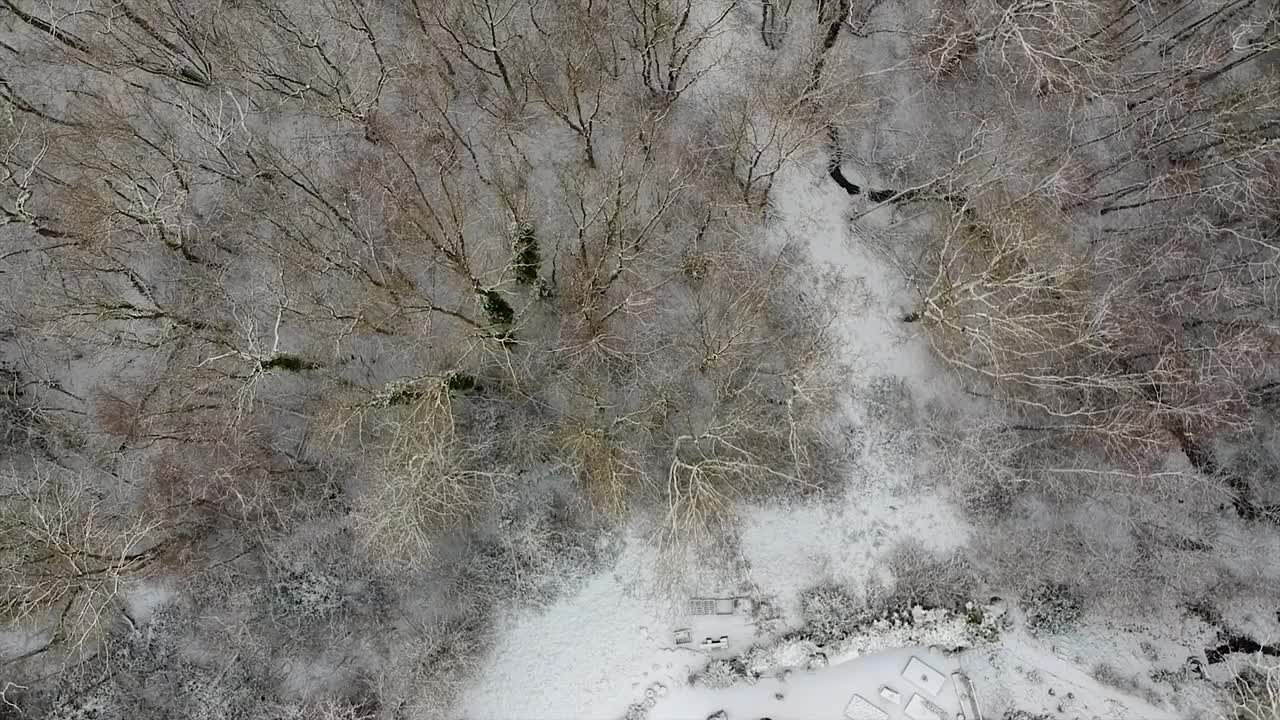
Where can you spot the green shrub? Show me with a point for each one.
(526, 260)
(496, 308)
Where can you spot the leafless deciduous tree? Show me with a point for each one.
(428, 478)
(666, 36)
(66, 556)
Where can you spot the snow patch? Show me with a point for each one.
(144, 598)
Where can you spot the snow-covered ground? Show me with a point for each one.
(594, 653)
(588, 655)
(829, 691)
(598, 652)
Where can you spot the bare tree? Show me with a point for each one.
(428, 476)
(666, 36)
(1254, 693)
(762, 130)
(580, 65)
(67, 554)
(486, 36)
(752, 394)
(332, 56)
(1048, 47)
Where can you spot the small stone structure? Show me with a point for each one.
(721, 643)
(860, 708)
(713, 606)
(925, 677)
(891, 695)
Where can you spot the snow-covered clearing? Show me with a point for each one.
(593, 653)
(657, 360)
(598, 652)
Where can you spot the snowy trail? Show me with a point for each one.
(813, 207)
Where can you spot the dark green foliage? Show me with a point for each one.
(695, 265)
(460, 382)
(195, 78)
(400, 396)
(526, 260)
(291, 363)
(496, 308)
